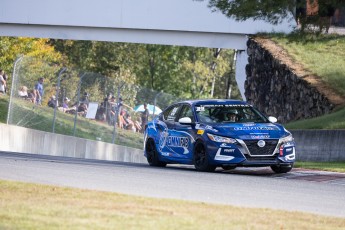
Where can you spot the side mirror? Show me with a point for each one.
(272, 119)
(185, 120)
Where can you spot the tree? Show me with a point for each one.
(268, 10)
(274, 11)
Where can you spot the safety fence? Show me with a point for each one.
(51, 98)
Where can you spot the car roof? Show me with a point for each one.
(214, 101)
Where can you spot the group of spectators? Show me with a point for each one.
(109, 110)
(118, 112)
(34, 95)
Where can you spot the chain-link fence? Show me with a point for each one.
(81, 104)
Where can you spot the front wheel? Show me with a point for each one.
(152, 154)
(201, 161)
(282, 168)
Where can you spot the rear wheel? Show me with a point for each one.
(282, 168)
(152, 154)
(201, 161)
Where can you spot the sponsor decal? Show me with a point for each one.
(163, 139)
(260, 136)
(202, 107)
(198, 126)
(254, 128)
(200, 131)
(175, 141)
(229, 150)
(261, 143)
(211, 128)
(288, 150)
(249, 124)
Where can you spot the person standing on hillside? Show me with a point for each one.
(2, 82)
(39, 91)
(144, 117)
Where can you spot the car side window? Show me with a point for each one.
(171, 113)
(187, 112)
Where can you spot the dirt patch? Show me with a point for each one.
(315, 81)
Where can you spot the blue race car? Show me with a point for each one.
(218, 133)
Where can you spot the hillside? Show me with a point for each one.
(319, 60)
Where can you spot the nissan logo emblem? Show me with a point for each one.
(261, 143)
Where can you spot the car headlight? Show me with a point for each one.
(221, 139)
(286, 139)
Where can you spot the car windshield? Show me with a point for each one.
(214, 113)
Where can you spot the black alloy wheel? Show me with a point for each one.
(282, 168)
(201, 162)
(152, 154)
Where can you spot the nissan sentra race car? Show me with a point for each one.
(218, 133)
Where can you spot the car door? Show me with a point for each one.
(184, 134)
(167, 131)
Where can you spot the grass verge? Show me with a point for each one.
(32, 206)
(3, 108)
(323, 166)
(335, 120)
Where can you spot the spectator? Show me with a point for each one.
(144, 116)
(85, 100)
(100, 114)
(6, 79)
(82, 109)
(65, 106)
(23, 92)
(2, 82)
(31, 96)
(130, 125)
(39, 91)
(52, 102)
(108, 104)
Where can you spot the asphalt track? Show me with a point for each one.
(301, 190)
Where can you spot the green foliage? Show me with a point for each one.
(13, 47)
(275, 11)
(268, 10)
(187, 70)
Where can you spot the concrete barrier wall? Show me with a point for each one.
(23, 140)
(312, 145)
(320, 145)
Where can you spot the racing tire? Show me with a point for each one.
(201, 161)
(281, 168)
(228, 167)
(152, 154)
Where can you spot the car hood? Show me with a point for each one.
(249, 130)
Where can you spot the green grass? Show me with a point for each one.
(3, 108)
(322, 55)
(33, 206)
(335, 120)
(324, 166)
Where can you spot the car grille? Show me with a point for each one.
(255, 150)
